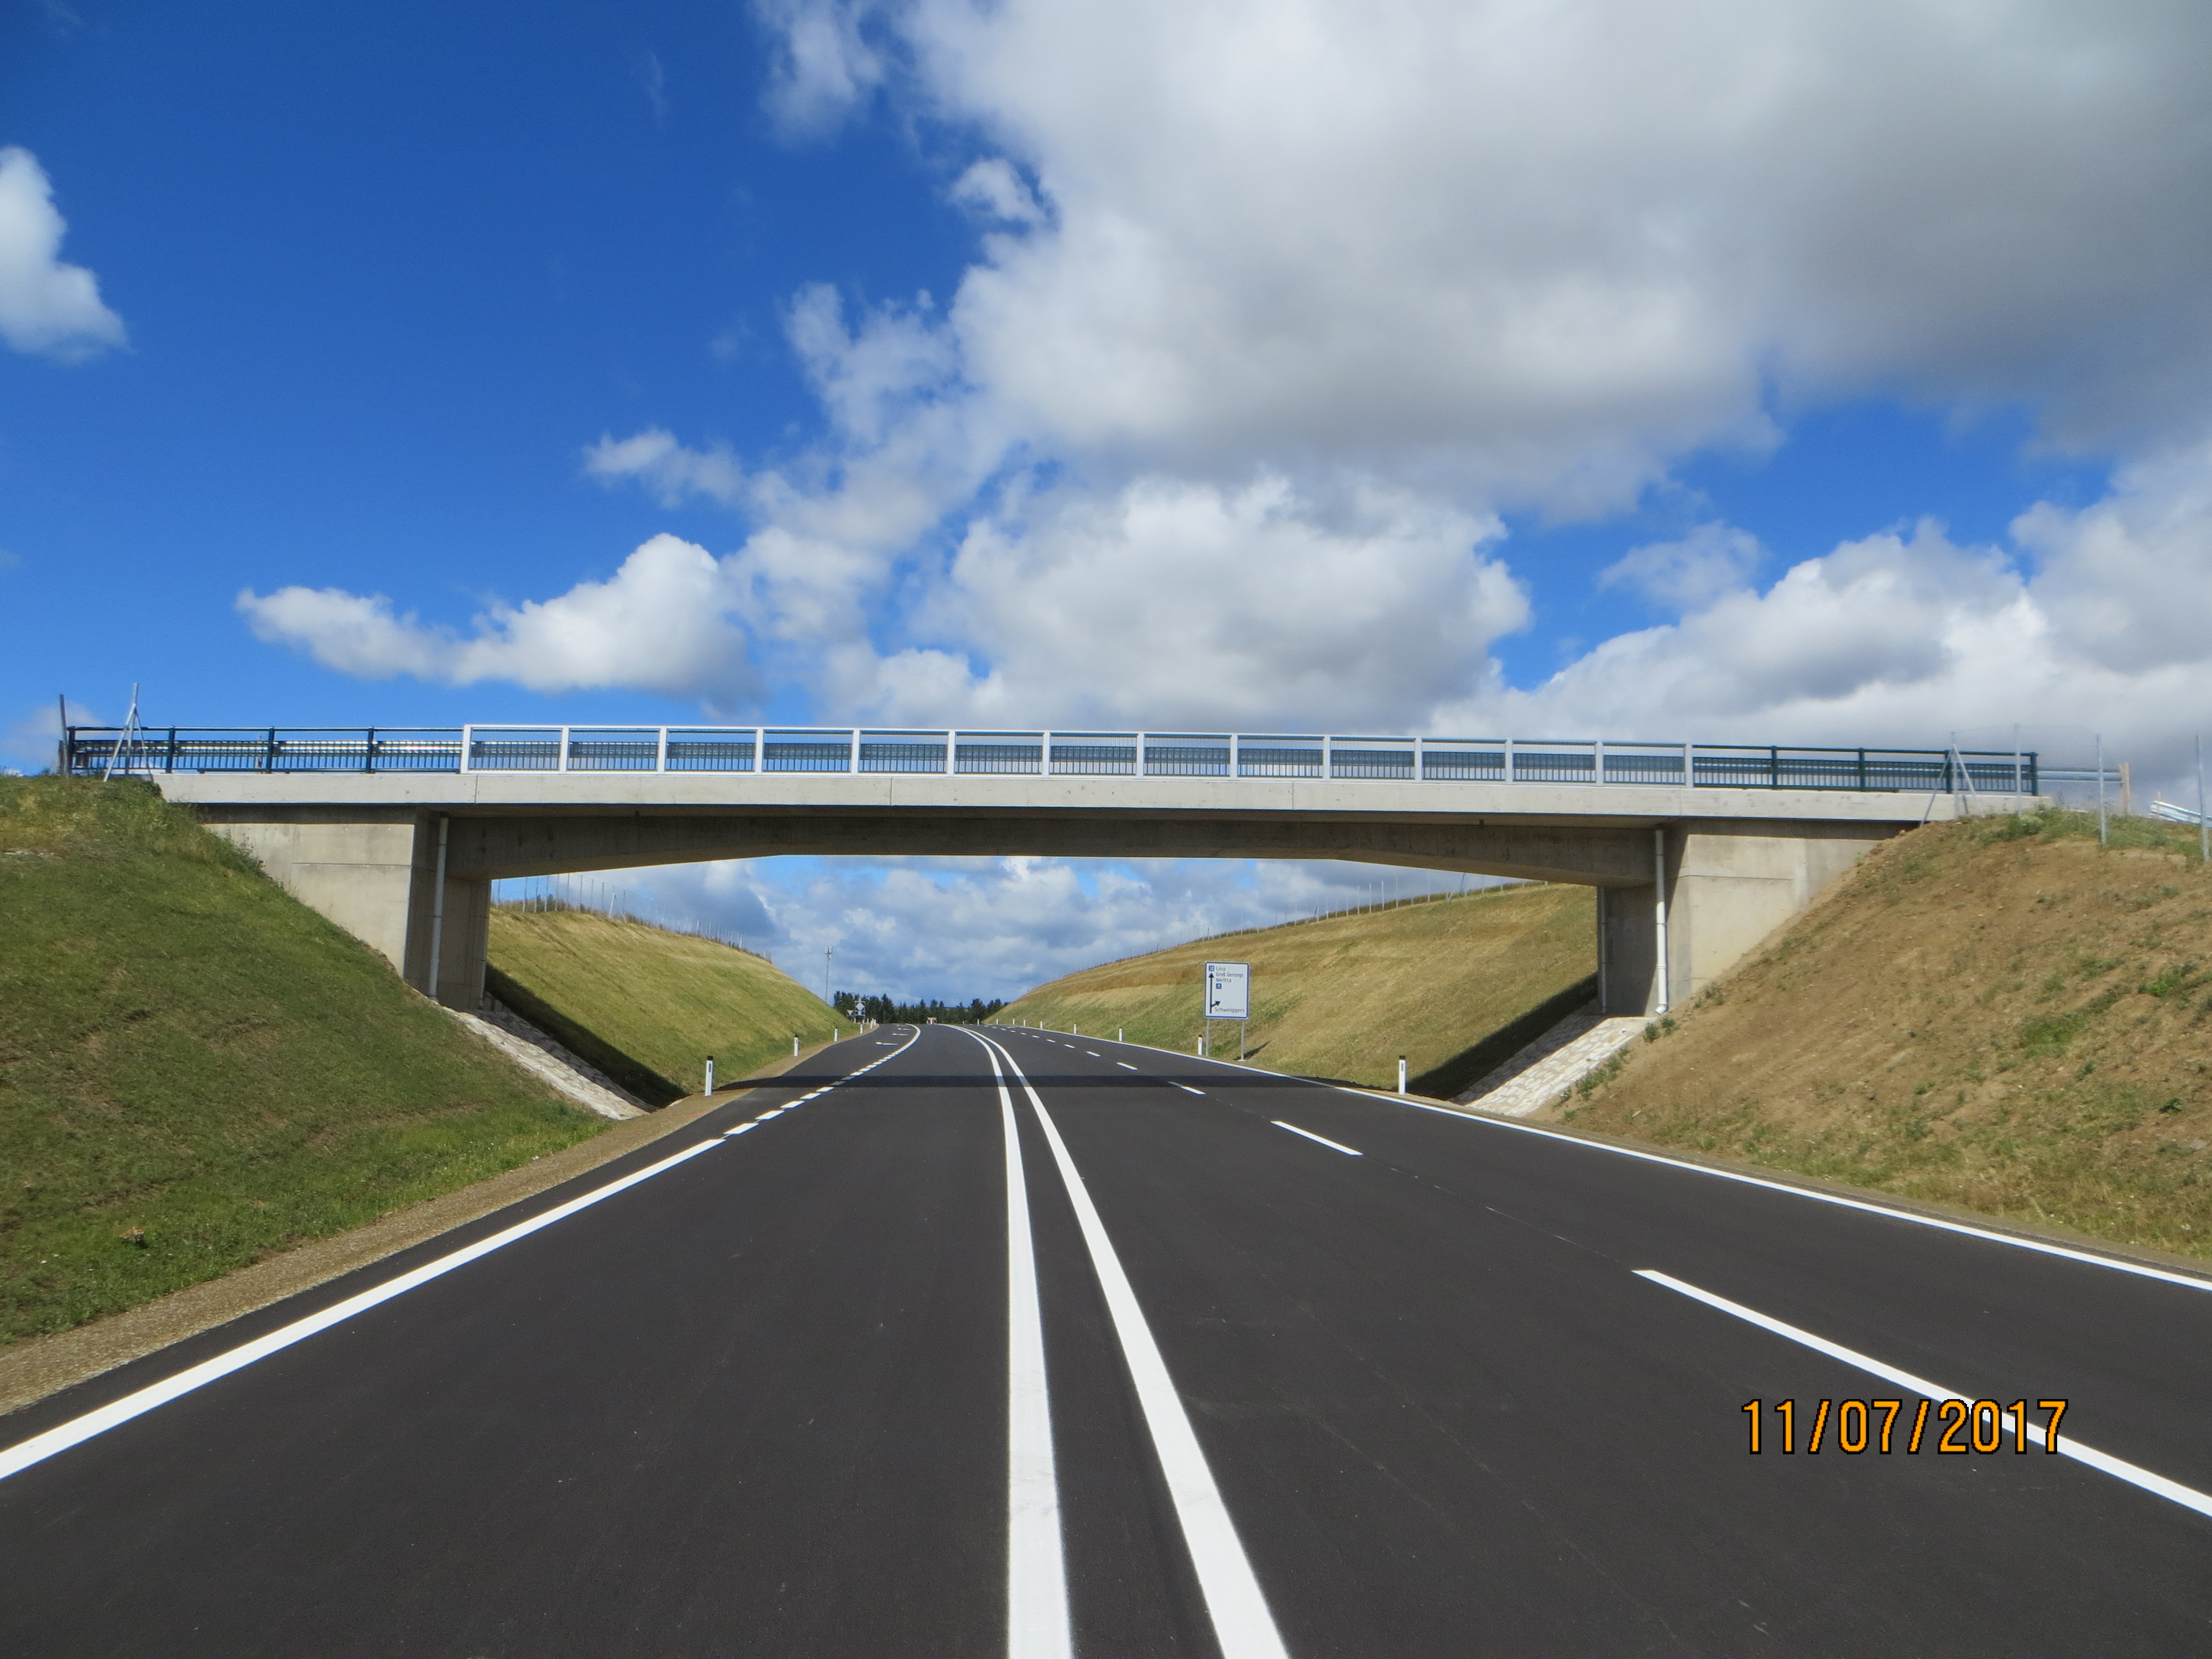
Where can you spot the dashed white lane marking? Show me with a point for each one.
(1347, 1151)
(1187, 1090)
(731, 1134)
(78, 1430)
(1242, 1625)
(1037, 1568)
(1124, 1065)
(1094, 1054)
(2188, 1496)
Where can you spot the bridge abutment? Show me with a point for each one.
(375, 871)
(1729, 883)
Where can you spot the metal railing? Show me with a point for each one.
(96, 751)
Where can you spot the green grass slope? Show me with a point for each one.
(1998, 1014)
(645, 1005)
(1455, 984)
(196, 1071)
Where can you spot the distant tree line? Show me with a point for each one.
(883, 1011)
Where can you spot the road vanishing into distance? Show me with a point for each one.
(1012, 1342)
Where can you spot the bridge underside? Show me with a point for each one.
(1728, 882)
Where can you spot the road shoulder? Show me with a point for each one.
(31, 1371)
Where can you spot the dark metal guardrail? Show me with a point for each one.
(99, 750)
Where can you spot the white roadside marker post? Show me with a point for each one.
(1401, 1074)
(710, 1076)
(795, 1045)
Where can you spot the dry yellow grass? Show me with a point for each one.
(1997, 1014)
(1455, 984)
(645, 1005)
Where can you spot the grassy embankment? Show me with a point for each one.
(1455, 984)
(645, 1005)
(196, 1071)
(1998, 1014)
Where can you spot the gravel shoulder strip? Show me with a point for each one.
(31, 1371)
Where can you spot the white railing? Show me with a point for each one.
(955, 751)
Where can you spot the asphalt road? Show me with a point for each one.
(1199, 1362)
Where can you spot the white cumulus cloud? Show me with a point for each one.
(46, 307)
(1711, 560)
(671, 472)
(660, 622)
(823, 66)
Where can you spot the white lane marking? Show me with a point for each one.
(1333, 1146)
(2141, 1269)
(732, 1134)
(764, 1117)
(1124, 1065)
(1187, 1090)
(1094, 1054)
(78, 1430)
(40, 1447)
(2135, 1475)
(1243, 1627)
(1037, 1568)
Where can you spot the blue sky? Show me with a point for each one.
(1835, 373)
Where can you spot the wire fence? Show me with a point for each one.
(538, 895)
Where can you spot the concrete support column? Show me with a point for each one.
(1627, 950)
(465, 941)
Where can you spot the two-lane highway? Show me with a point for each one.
(1022, 1343)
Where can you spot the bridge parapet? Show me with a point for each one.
(1698, 851)
(859, 750)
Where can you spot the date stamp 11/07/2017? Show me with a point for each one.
(1853, 1426)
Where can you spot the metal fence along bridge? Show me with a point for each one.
(105, 750)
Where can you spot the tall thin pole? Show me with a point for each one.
(130, 723)
(2203, 824)
(2101, 789)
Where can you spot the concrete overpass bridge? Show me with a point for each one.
(1697, 852)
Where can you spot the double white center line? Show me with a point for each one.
(1242, 1625)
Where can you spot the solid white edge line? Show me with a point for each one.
(2119, 1469)
(1349, 1152)
(1037, 1568)
(1242, 1625)
(39, 1447)
(2143, 1270)
(77, 1429)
